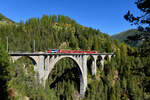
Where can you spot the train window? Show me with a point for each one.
(54, 50)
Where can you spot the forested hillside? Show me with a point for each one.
(52, 32)
(5, 20)
(125, 77)
(123, 37)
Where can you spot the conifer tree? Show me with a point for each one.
(4, 73)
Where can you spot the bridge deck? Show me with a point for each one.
(37, 54)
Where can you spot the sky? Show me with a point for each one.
(105, 15)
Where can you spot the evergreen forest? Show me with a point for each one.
(125, 77)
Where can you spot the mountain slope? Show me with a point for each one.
(122, 37)
(5, 20)
(121, 78)
(53, 32)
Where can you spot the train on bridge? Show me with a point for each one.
(70, 51)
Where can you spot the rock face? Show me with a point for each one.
(11, 93)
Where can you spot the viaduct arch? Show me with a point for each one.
(45, 62)
(32, 58)
(83, 75)
(73, 58)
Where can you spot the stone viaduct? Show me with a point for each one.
(45, 62)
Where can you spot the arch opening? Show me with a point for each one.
(27, 62)
(106, 58)
(99, 65)
(90, 60)
(26, 59)
(65, 77)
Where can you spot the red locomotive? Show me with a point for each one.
(70, 51)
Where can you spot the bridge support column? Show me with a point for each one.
(51, 62)
(109, 57)
(94, 65)
(47, 63)
(40, 69)
(82, 87)
(102, 61)
(83, 80)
